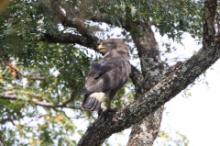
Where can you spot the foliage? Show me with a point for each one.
(171, 17)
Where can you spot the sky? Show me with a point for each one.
(196, 114)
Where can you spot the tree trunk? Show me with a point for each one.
(145, 132)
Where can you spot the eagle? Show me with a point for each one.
(106, 76)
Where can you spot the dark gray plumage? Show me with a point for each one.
(107, 75)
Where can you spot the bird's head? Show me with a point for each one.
(113, 45)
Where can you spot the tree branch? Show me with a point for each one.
(77, 23)
(66, 38)
(145, 132)
(100, 17)
(5, 120)
(13, 97)
(208, 25)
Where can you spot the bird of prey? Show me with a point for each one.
(106, 76)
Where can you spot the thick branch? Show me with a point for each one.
(148, 51)
(209, 18)
(66, 38)
(13, 97)
(5, 120)
(145, 132)
(101, 18)
(77, 23)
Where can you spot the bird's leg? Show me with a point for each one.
(105, 105)
(106, 114)
(103, 100)
(106, 111)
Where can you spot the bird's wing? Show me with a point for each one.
(103, 75)
(100, 68)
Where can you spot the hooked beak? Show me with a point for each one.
(102, 49)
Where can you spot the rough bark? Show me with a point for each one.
(178, 79)
(83, 36)
(70, 21)
(67, 38)
(144, 133)
(209, 18)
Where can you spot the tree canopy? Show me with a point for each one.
(47, 47)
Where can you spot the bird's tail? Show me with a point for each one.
(93, 101)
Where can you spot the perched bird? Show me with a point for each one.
(106, 76)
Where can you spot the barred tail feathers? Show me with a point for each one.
(93, 101)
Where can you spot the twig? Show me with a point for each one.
(12, 96)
